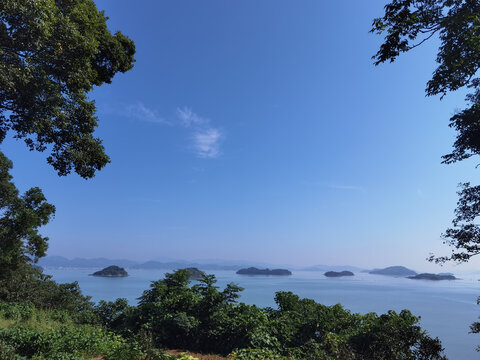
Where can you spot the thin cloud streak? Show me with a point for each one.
(140, 112)
(205, 138)
(188, 118)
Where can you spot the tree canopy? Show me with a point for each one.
(52, 53)
(20, 218)
(408, 24)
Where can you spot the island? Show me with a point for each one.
(255, 271)
(111, 271)
(428, 276)
(394, 271)
(338, 273)
(195, 274)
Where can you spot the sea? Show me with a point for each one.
(446, 307)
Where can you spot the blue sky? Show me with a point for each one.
(260, 130)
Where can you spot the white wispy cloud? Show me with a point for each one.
(141, 112)
(188, 118)
(205, 138)
(206, 142)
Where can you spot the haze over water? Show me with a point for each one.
(447, 308)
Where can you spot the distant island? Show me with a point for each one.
(394, 271)
(111, 271)
(255, 271)
(337, 268)
(428, 276)
(195, 274)
(338, 273)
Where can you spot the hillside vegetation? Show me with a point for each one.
(173, 314)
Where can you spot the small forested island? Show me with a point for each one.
(428, 276)
(255, 271)
(394, 271)
(338, 273)
(195, 274)
(111, 271)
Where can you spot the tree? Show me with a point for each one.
(20, 242)
(20, 218)
(52, 53)
(410, 23)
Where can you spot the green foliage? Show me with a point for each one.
(7, 352)
(200, 318)
(25, 314)
(408, 24)
(68, 342)
(173, 314)
(20, 218)
(112, 314)
(256, 354)
(52, 53)
(181, 316)
(394, 336)
(21, 245)
(30, 285)
(55, 334)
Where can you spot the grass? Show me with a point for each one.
(40, 334)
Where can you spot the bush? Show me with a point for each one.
(7, 352)
(68, 343)
(29, 284)
(201, 318)
(257, 354)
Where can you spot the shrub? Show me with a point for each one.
(68, 343)
(201, 318)
(257, 354)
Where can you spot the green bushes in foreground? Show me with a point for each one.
(201, 318)
(173, 314)
(256, 354)
(27, 332)
(67, 343)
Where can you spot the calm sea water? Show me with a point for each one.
(447, 308)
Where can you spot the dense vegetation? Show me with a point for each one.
(52, 54)
(173, 314)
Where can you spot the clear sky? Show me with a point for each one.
(260, 130)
